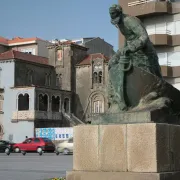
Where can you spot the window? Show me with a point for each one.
(48, 79)
(28, 140)
(95, 77)
(43, 102)
(28, 51)
(55, 104)
(58, 80)
(97, 104)
(36, 140)
(100, 77)
(162, 58)
(23, 102)
(173, 58)
(177, 27)
(47, 140)
(160, 28)
(66, 105)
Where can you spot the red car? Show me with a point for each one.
(35, 144)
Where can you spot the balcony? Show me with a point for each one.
(33, 115)
(141, 8)
(160, 38)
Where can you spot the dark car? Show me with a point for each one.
(6, 146)
(35, 144)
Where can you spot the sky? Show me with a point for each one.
(61, 19)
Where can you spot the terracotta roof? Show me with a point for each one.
(87, 60)
(12, 54)
(20, 40)
(17, 40)
(3, 40)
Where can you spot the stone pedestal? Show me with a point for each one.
(146, 151)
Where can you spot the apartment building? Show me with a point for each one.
(162, 22)
(34, 46)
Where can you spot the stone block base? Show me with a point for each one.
(144, 147)
(80, 175)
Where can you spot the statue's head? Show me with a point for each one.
(115, 12)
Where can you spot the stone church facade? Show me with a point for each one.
(85, 75)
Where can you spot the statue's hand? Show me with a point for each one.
(125, 51)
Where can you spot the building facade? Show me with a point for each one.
(162, 22)
(91, 89)
(85, 75)
(30, 96)
(34, 46)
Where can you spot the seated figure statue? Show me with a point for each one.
(138, 51)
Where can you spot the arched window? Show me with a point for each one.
(1, 102)
(43, 102)
(97, 104)
(23, 102)
(95, 77)
(100, 77)
(55, 104)
(66, 105)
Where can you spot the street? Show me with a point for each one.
(33, 167)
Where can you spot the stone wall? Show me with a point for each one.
(39, 74)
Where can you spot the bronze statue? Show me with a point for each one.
(138, 51)
(137, 91)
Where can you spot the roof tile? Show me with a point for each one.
(12, 54)
(87, 60)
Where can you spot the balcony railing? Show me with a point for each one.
(32, 115)
(139, 2)
(159, 32)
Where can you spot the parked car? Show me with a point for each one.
(35, 145)
(6, 146)
(65, 147)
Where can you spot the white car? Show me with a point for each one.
(65, 147)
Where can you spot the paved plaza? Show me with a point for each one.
(34, 167)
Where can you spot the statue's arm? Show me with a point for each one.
(140, 32)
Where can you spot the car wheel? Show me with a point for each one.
(17, 150)
(23, 153)
(7, 151)
(66, 151)
(57, 153)
(39, 150)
